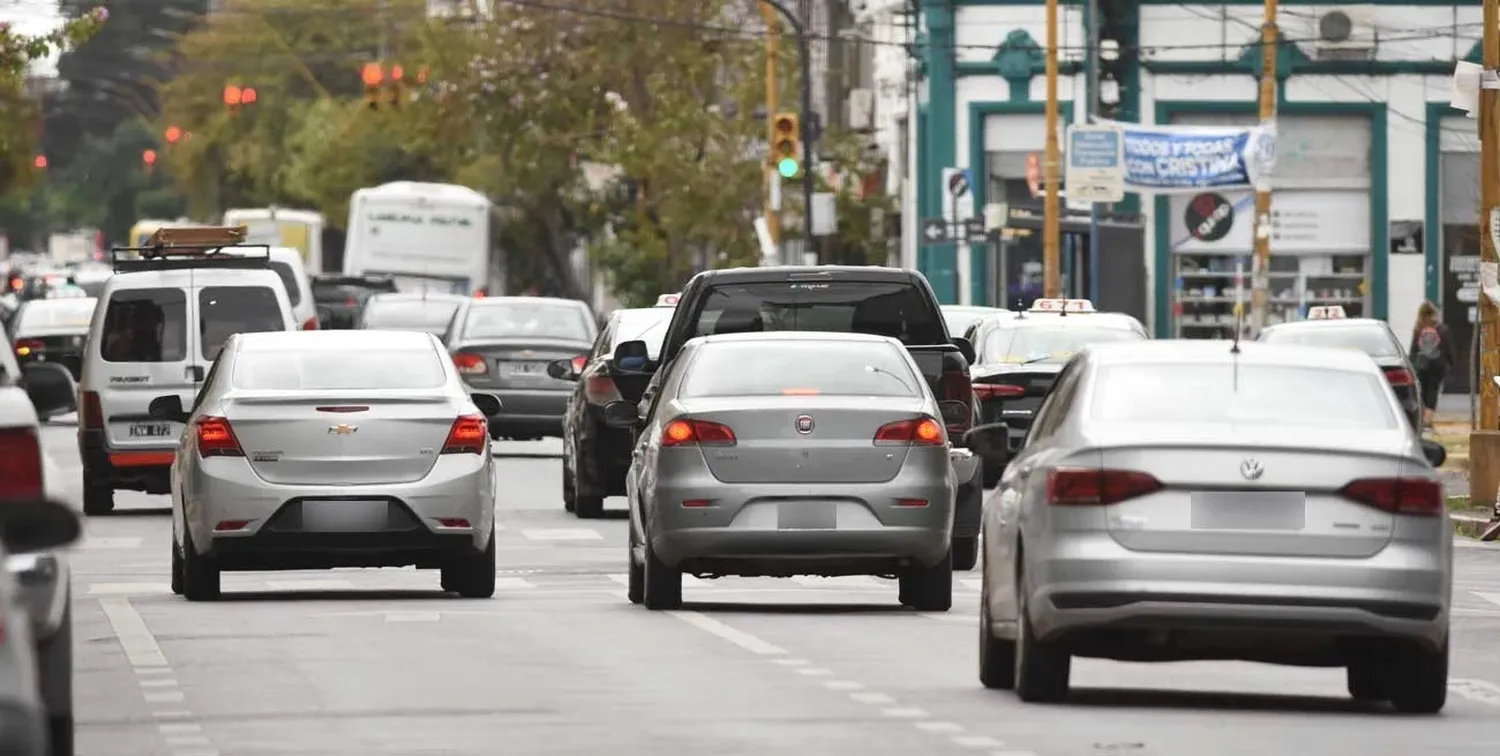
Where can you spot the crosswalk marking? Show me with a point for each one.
(563, 534)
(1492, 597)
(973, 584)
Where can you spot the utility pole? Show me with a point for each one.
(385, 39)
(1051, 222)
(809, 147)
(773, 178)
(1260, 278)
(1091, 105)
(1481, 441)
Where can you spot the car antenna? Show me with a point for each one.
(1234, 347)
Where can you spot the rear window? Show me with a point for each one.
(1372, 340)
(649, 326)
(1047, 343)
(416, 315)
(895, 309)
(145, 325)
(796, 369)
(289, 280)
(545, 320)
(1247, 395)
(56, 314)
(339, 370)
(228, 310)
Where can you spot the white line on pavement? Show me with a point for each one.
(309, 585)
(413, 617)
(125, 589)
(164, 696)
(942, 727)
(135, 638)
(158, 682)
(1493, 598)
(177, 728)
(91, 543)
(187, 740)
(976, 741)
(905, 712)
(877, 699)
(563, 534)
(1480, 691)
(739, 638)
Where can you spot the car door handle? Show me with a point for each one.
(193, 373)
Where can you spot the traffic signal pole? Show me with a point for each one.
(1483, 454)
(809, 158)
(773, 178)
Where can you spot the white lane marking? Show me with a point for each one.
(126, 589)
(513, 584)
(187, 740)
(113, 543)
(153, 670)
(846, 582)
(176, 728)
(158, 682)
(877, 699)
(814, 672)
(791, 662)
(905, 712)
(843, 685)
(976, 741)
(135, 638)
(688, 581)
(309, 585)
(1492, 597)
(563, 534)
(973, 584)
(943, 727)
(1481, 691)
(742, 639)
(172, 714)
(413, 617)
(164, 696)
(960, 619)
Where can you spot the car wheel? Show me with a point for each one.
(97, 499)
(474, 575)
(929, 589)
(635, 585)
(200, 576)
(965, 552)
(55, 669)
(589, 507)
(662, 584)
(176, 568)
(997, 656)
(570, 494)
(1042, 669)
(1418, 680)
(1365, 681)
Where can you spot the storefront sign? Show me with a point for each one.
(1209, 217)
(1302, 222)
(1194, 158)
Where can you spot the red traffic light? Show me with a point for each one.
(233, 95)
(372, 74)
(247, 95)
(40, 161)
(149, 157)
(173, 134)
(422, 75)
(397, 72)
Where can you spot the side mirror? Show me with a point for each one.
(38, 525)
(486, 403)
(989, 441)
(965, 347)
(562, 370)
(621, 415)
(632, 355)
(51, 388)
(167, 408)
(1435, 452)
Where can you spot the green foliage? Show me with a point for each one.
(19, 116)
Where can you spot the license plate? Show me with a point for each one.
(527, 369)
(806, 515)
(150, 430)
(344, 516)
(1249, 510)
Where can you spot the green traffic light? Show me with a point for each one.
(788, 167)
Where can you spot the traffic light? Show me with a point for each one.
(397, 86)
(372, 75)
(40, 162)
(148, 158)
(786, 145)
(172, 134)
(233, 97)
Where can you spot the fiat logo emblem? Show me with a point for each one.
(805, 424)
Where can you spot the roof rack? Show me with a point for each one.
(194, 247)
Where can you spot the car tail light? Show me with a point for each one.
(230, 525)
(684, 432)
(311, 324)
(26, 347)
(1413, 496)
(350, 301)
(957, 387)
(920, 431)
(470, 435)
(92, 417)
(601, 389)
(469, 363)
(998, 391)
(20, 464)
(1400, 377)
(1088, 486)
(579, 363)
(453, 522)
(216, 438)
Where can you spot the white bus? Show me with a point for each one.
(428, 237)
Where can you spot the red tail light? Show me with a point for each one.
(216, 438)
(919, 431)
(998, 391)
(311, 324)
(684, 432)
(469, 363)
(1092, 487)
(580, 362)
(470, 435)
(92, 416)
(601, 389)
(957, 387)
(350, 301)
(25, 347)
(1400, 377)
(20, 465)
(1413, 496)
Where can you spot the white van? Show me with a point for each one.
(157, 329)
(428, 237)
(286, 263)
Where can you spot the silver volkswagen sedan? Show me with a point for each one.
(1182, 500)
(790, 453)
(325, 449)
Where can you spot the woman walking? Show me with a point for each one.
(1431, 355)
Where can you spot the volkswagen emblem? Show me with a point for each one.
(804, 424)
(1251, 468)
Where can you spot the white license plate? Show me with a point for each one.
(527, 369)
(343, 516)
(1249, 510)
(150, 430)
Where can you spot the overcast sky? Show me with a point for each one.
(32, 17)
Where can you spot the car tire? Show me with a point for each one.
(662, 584)
(1418, 682)
(55, 672)
(570, 494)
(473, 577)
(588, 507)
(997, 656)
(98, 499)
(635, 584)
(1365, 681)
(1042, 668)
(929, 589)
(965, 552)
(176, 569)
(200, 575)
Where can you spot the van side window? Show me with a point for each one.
(289, 280)
(227, 310)
(145, 325)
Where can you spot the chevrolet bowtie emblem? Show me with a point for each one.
(343, 430)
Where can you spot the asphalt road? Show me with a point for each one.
(377, 662)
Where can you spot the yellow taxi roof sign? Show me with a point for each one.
(667, 300)
(1326, 312)
(198, 237)
(1062, 305)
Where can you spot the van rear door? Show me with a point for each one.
(222, 311)
(145, 350)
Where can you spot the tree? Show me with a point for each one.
(18, 112)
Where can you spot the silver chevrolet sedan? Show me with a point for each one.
(1183, 500)
(324, 449)
(790, 453)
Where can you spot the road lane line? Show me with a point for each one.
(126, 589)
(939, 727)
(172, 714)
(158, 682)
(562, 534)
(905, 712)
(815, 672)
(178, 728)
(976, 741)
(164, 696)
(185, 741)
(1492, 597)
(875, 699)
(135, 638)
(739, 638)
(843, 685)
(791, 662)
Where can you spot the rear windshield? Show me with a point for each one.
(145, 325)
(431, 316)
(797, 369)
(228, 310)
(289, 280)
(339, 370)
(56, 315)
(1372, 340)
(1047, 343)
(548, 320)
(649, 326)
(1249, 395)
(895, 309)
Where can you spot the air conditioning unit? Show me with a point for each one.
(859, 110)
(1344, 32)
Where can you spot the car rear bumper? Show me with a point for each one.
(1088, 581)
(137, 469)
(23, 730)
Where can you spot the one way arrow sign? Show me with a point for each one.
(934, 231)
